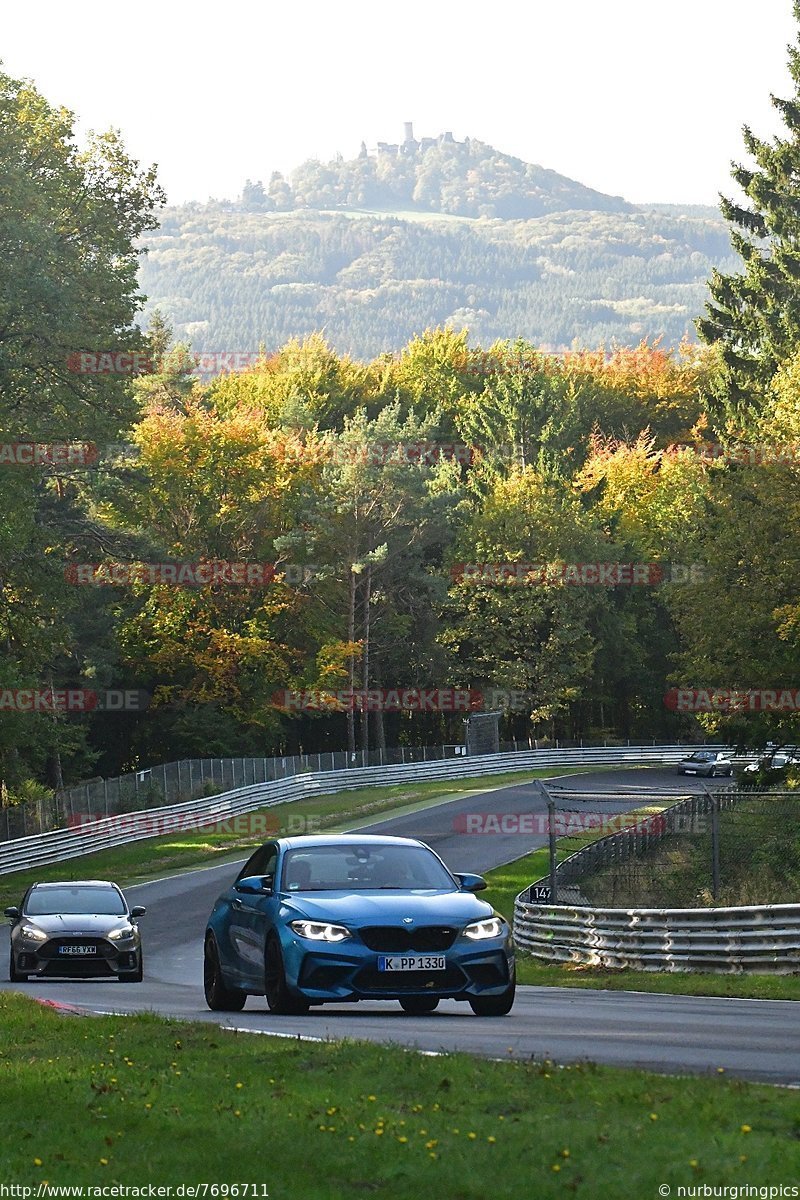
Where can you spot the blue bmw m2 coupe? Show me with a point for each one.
(345, 917)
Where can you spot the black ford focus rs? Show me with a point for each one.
(81, 929)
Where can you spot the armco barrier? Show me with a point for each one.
(763, 939)
(62, 844)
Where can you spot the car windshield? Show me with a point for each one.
(67, 901)
(701, 756)
(362, 868)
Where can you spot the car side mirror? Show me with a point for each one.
(472, 883)
(138, 910)
(12, 914)
(255, 885)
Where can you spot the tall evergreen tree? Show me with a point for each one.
(754, 315)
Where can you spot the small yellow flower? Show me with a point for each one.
(103, 1162)
(491, 1139)
(351, 1138)
(472, 1136)
(239, 1085)
(653, 1116)
(565, 1153)
(148, 1106)
(236, 1112)
(556, 1167)
(742, 1158)
(747, 1129)
(378, 1132)
(432, 1155)
(694, 1163)
(37, 1162)
(430, 1145)
(330, 1111)
(370, 1097)
(402, 1139)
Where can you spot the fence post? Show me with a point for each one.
(715, 882)
(551, 841)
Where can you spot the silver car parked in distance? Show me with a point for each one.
(708, 763)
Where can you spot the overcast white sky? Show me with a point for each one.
(641, 99)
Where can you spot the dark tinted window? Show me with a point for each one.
(359, 868)
(75, 900)
(263, 862)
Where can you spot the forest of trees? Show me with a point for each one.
(674, 456)
(375, 249)
(229, 279)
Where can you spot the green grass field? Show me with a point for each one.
(141, 1100)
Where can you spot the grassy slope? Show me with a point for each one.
(142, 1100)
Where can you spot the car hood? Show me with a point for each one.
(95, 925)
(389, 907)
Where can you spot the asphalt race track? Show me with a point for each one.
(758, 1039)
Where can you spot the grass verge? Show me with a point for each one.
(505, 883)
(152, 858)
(142, 1100)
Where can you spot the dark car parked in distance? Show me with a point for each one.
(79, 929)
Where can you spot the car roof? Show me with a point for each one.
(78, 883)
(307, 841)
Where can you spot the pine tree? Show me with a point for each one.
(754, 316)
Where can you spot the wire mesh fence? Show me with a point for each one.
(726, 848)
(189, 779)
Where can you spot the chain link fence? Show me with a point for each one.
(726, 848)
(193, 778)
(189, 779)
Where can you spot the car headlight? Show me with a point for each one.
(320, 931)
(119, 935)
(479, 931)
(33, 934)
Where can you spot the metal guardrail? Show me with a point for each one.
(757, 938)
(62, 844)
(763, 939)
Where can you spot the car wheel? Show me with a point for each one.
(279, 998)
(133, 976)
(419, 1006)
(494, 1006)
(219, 998)
(14, 975)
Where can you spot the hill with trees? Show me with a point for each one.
(422, 234)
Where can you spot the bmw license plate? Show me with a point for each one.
(416, 962)
(77, 949)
